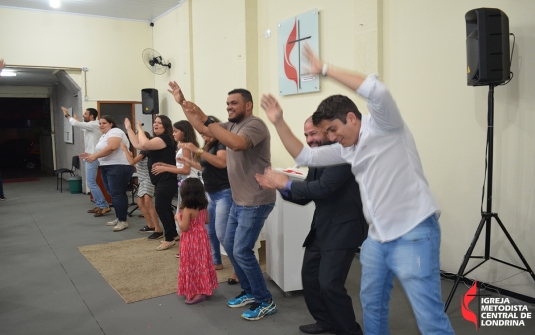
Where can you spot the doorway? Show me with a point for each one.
(25, 137)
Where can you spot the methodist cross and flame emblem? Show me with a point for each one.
(465, 309)
(292, 72)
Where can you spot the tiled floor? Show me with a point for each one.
(48, 287)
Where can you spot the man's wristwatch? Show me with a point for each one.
(208, 121)
(67, 116)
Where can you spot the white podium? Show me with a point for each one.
(285, 230)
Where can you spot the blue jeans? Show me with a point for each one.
(116, 179)
(243, 227)
(414, 260)
(91, 179)
(218, 209)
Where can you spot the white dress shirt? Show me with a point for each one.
(91, 132)
(394, 191)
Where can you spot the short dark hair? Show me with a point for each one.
(93, 112)
(335, 107)
(109, 119)
(246, 95)
(193, 194)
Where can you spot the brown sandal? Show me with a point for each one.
(102, 211)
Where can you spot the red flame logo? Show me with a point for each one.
(289, 69)
(467, 313)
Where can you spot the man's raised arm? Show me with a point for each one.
(197, 118)
(177, 93)
(274, 114)
(353, 80)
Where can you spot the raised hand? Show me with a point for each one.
(175, 90)
(127, 124)
(2, 64)
(273, 110)
(315, 64)
(191, 108)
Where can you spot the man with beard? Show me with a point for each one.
(248, 152)
(402, 213)
(337, 230)
(92, 134)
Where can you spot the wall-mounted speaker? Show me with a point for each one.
(149, 101)
(487, 46)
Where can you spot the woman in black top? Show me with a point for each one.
(162, 149)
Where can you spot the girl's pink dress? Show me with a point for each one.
(196, 274)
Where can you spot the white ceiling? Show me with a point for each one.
(142, 10)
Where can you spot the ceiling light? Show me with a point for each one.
(54, 3)
(8, 73)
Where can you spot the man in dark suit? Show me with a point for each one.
(338, 229)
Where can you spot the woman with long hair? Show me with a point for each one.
(115, 168)
(145, 191)
(182, 131)
(161, 150)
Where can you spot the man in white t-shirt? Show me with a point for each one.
(402, 213)
(92, 134)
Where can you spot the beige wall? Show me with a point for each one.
(172, 38)
(110, 49)
(425, 68)
(345, 26)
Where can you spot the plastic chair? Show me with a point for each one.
(59, 172)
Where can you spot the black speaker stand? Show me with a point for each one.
(487, 216)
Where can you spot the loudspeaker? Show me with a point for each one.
(149, 101)
(487, 46)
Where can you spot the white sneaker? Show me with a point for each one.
(121, 226)
(112, 223)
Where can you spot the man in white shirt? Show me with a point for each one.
(404, 234)
(92, 134)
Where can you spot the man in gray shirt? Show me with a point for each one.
(248, 152)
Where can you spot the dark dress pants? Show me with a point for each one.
(164, 192)
(324, 274)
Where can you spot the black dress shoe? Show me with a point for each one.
(313, 328)
(156, 235)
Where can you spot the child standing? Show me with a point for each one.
(196, 275)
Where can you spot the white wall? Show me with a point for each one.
(345, 27)
(425, 68)
(110, 49)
